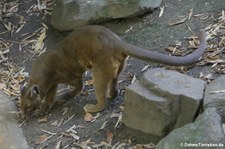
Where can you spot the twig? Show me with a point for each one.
(48, 132)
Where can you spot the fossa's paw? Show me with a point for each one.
(44, 109)
(39, 112)
(90, 108)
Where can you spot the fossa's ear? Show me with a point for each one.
(34, 90)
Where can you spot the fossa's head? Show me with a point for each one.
(29, 98)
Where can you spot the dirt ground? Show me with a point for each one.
(66, 126)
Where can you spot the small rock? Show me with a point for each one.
(205, 132)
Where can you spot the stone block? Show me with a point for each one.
(215, 95)
(11, 135)
(161, 101)
(205, 132)
(69, 14)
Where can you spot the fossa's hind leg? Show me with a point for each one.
(101, 81)
(113, 84)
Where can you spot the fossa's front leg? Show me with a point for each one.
(48, 101)
(78, 86)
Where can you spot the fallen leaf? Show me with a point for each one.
(48, 132)
(109, 137)
(39, 45)
(171, 49)
(65, 110)
(55, 123)
(42, 119)
(76, 137)
(178, 22)
(161, 11)
(113, 115)
(103, 125)
(189, 28)
(89, 82)
(88, 117)
(60, 122)
(69, 119)
(133, 79)
(145, 68)
(192, 44)
(190, 14)
(2, 85)
(40, 139)
(58, 144)
(223, 15)
(119, 121)
(128, 30)
(120, 145)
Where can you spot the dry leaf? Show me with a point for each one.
(2, 85)
(76, 137)
(55, 123)
(192, 44)
(178, 22)
(120, 146)
(115, 115)
(119, 121)
(109, 137)
(133, 79)
(58, 144)
(128, 30)
(89, 82)
(145, 68)
(48, 132)
(88, 117)
(189, 28)
(69, 119)
(223, 15)
(39, 45)
(65, 110)
(190, 14)
(171, 49)
(41, 139)
(42, 119)
(161, 11)
(103, 125)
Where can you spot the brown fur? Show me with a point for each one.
(89, 47)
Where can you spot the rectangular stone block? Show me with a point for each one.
(144, 111)
(162, 101)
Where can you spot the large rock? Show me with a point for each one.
(162, 101)
(215, 95)
(11, 136)
(69, 14)
(205, 132)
